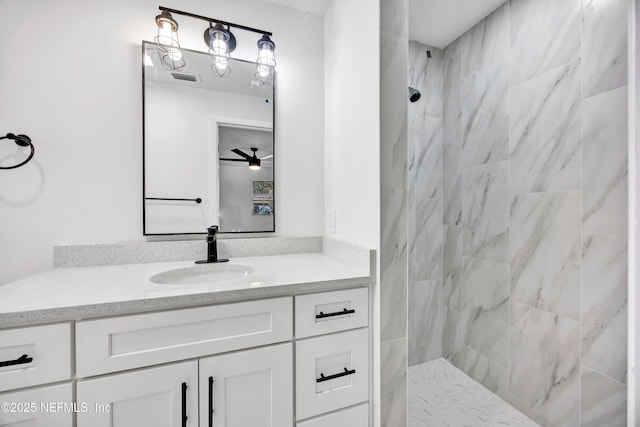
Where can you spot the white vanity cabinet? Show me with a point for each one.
(228, 365)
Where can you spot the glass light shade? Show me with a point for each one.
(266, 61)
(218, 40)
(220, 53)
(175, 54)
(167, 37)
(165, 34)
(172, 59)
(168, 43)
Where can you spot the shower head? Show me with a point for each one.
(414, 94)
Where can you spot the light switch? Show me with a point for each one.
(332, 221)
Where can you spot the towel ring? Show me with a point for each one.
(22, 141)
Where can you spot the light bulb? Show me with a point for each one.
(165, 35)
(220, 52)
(254, 167)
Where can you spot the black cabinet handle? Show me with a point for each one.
(334, 376)
(337, 313)
(184, 405)
(210, 401)
(19, 361)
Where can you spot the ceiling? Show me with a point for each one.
(439, 22)
(244, 139)
(432, 22)
(317, 7)
(241, 80)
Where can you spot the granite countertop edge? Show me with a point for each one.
(139, 306)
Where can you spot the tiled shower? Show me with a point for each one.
(516, 207)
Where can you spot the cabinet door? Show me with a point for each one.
(156, 397)
(249, 388)
(43, 406)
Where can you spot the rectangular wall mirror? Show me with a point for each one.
(208, 147)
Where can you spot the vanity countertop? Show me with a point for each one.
(84, 292)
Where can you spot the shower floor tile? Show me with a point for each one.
(442, 395)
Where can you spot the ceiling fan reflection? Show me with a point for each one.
(253, 160)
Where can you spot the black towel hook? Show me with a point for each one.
(22, 141)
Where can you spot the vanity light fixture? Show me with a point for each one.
(266, 61)
(167, 41)
(220, 42)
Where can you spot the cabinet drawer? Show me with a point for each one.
(343, 360)
(329, 312)
(357, 416)
(50, 406)
(48, 347)
(121, 343)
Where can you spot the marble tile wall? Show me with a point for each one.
(476, 117)
(532, 301)
(428, 286)
(394, 248)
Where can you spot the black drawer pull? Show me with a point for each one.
(210, 401)
(337, 313)
(334, 376)
(184, 405)
(19, 361)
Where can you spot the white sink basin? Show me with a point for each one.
(201, 274)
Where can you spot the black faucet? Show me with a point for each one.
(212, 247)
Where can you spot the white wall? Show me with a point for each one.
(352, 131)
(71, 79)
(236, 194)
(180, 146)
(352, 139)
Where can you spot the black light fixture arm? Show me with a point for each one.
(22, 141)
(212, 20)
